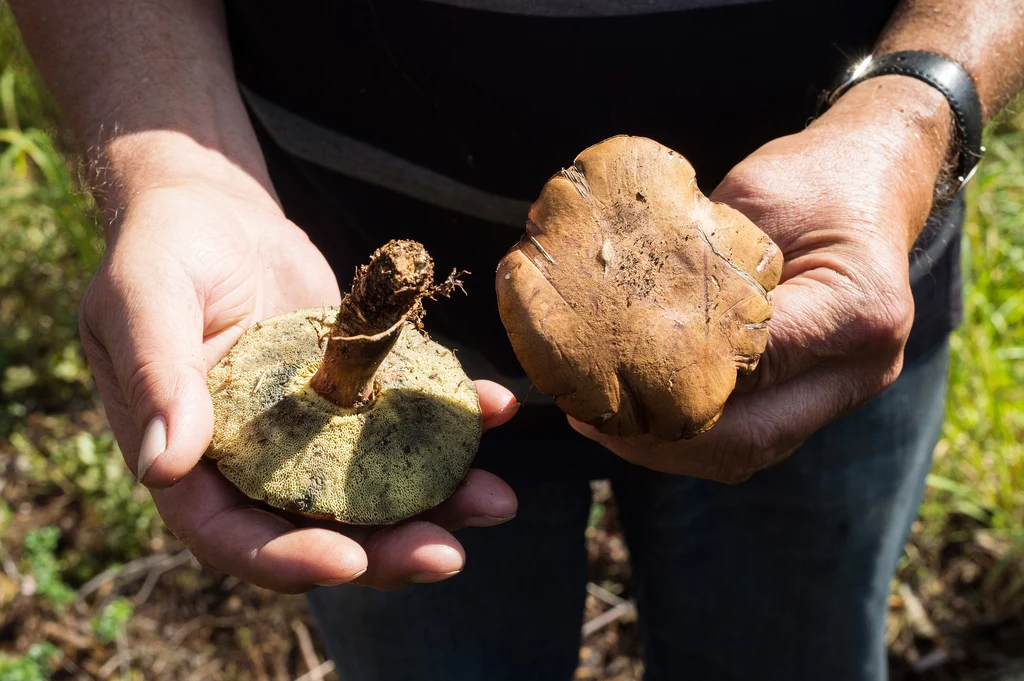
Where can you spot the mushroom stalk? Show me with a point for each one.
(350, 363)
(385, 294)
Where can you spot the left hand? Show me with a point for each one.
(844, 200)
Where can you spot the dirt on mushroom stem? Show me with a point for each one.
(384, 295)
(380, 457)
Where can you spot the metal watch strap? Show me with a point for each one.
(946, 76)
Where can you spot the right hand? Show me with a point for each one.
(189, 267)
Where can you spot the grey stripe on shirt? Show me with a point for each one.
(340, 153)
(336, 151)
(588, 8)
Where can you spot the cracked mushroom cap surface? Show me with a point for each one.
(632, 298)
(279, 441)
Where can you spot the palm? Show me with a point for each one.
(189, 270)
(254, 264)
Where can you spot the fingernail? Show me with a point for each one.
(154, 442)
(431, 577)
(511, 406)
(340, 580)
(487, 520)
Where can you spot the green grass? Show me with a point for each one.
(51, 434)
(979, 463)
(979, 467)
(35, 665)
(49, 245)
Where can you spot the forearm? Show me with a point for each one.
(148, 90)
(986, 37)
(908, 122)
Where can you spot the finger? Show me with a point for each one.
(147, 331)
(797, 333)
(588, 431)
(820, 315)
(415, 552)
(230, 533)
(497, 403)
(677, 458)
(758, 429)
(482, 500)
(399, 553)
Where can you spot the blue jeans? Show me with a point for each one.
(784, 577)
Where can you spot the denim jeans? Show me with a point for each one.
(785, 576)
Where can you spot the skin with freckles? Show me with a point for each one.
(986, 37)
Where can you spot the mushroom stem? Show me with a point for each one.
(385, 295)
(346, 375)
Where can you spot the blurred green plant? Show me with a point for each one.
(50, 427)
(36, 108)
(35, 665)
(42, 563)
(6, 515)
(111, 621)
(118, 516)
(50, 247)
(979, 464)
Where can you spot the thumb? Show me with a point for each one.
(145, 342)
(821, 317)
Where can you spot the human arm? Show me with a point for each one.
(198, 250)
(845, 199)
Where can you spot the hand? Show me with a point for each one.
(188, 269)
(844, 200)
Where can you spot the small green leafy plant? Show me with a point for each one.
(110, 623)
(36, 665)
(44, 566)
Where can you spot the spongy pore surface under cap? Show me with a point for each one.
(280, 442)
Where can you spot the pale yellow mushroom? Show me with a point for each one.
(348, 413)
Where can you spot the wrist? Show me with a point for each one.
(911, 125)
(130, 165)
(898, 106)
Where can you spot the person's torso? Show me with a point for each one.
(468, 106)
(500, 94)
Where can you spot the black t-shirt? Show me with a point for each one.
(440, 121)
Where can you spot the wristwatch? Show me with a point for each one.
(946, 76)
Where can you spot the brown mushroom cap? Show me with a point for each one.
(279, 441)
(632, 298)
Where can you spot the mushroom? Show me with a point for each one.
(632, 298)
(349, 413)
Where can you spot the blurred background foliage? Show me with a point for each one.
(71, 515)
(91, 585)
